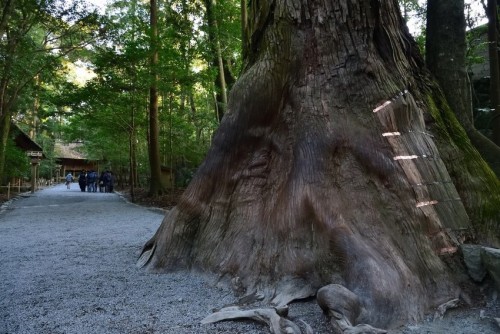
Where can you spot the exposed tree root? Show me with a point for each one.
(291, 289)
(441, 310)
(146, 254)
(341, 304)
(344, 307)
(274, 317)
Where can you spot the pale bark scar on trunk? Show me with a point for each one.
(420, 160)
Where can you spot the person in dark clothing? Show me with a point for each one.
(82, 180)
(102, 187)
(107, 181)
(111, 181)
(91, 181)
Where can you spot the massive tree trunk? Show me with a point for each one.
(325, 168)
(445, 58)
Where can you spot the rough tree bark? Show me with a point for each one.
(325, 169)
(445, 58)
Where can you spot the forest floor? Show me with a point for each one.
(165, 201)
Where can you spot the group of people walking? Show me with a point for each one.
(89, 181)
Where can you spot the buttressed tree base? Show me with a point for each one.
(337, 164)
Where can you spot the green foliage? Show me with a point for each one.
(477, 45)
(36, 37)
(47, 168)
(420, 39)
(109, 112)
(17, 164)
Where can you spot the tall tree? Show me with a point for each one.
(446, 58)
(493, 42)
(327, 169)
(244, 28)
(219, 59)
(156, 185)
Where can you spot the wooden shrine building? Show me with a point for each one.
(70, 158)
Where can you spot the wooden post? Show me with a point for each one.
(35, 159)
(34, 164)
(8, 191)
(33, 177)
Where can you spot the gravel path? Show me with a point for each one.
(67, 265)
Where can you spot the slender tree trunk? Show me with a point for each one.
(492, 13)
(134, 180)
(132, 154)
(171, 144)
(5, 119)
(8, 7)
(244, 28)
(326, 169)
(193, 117)
(445, 58)
(36, 106)
(5, 104)
(155, 187)
(218, 61)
